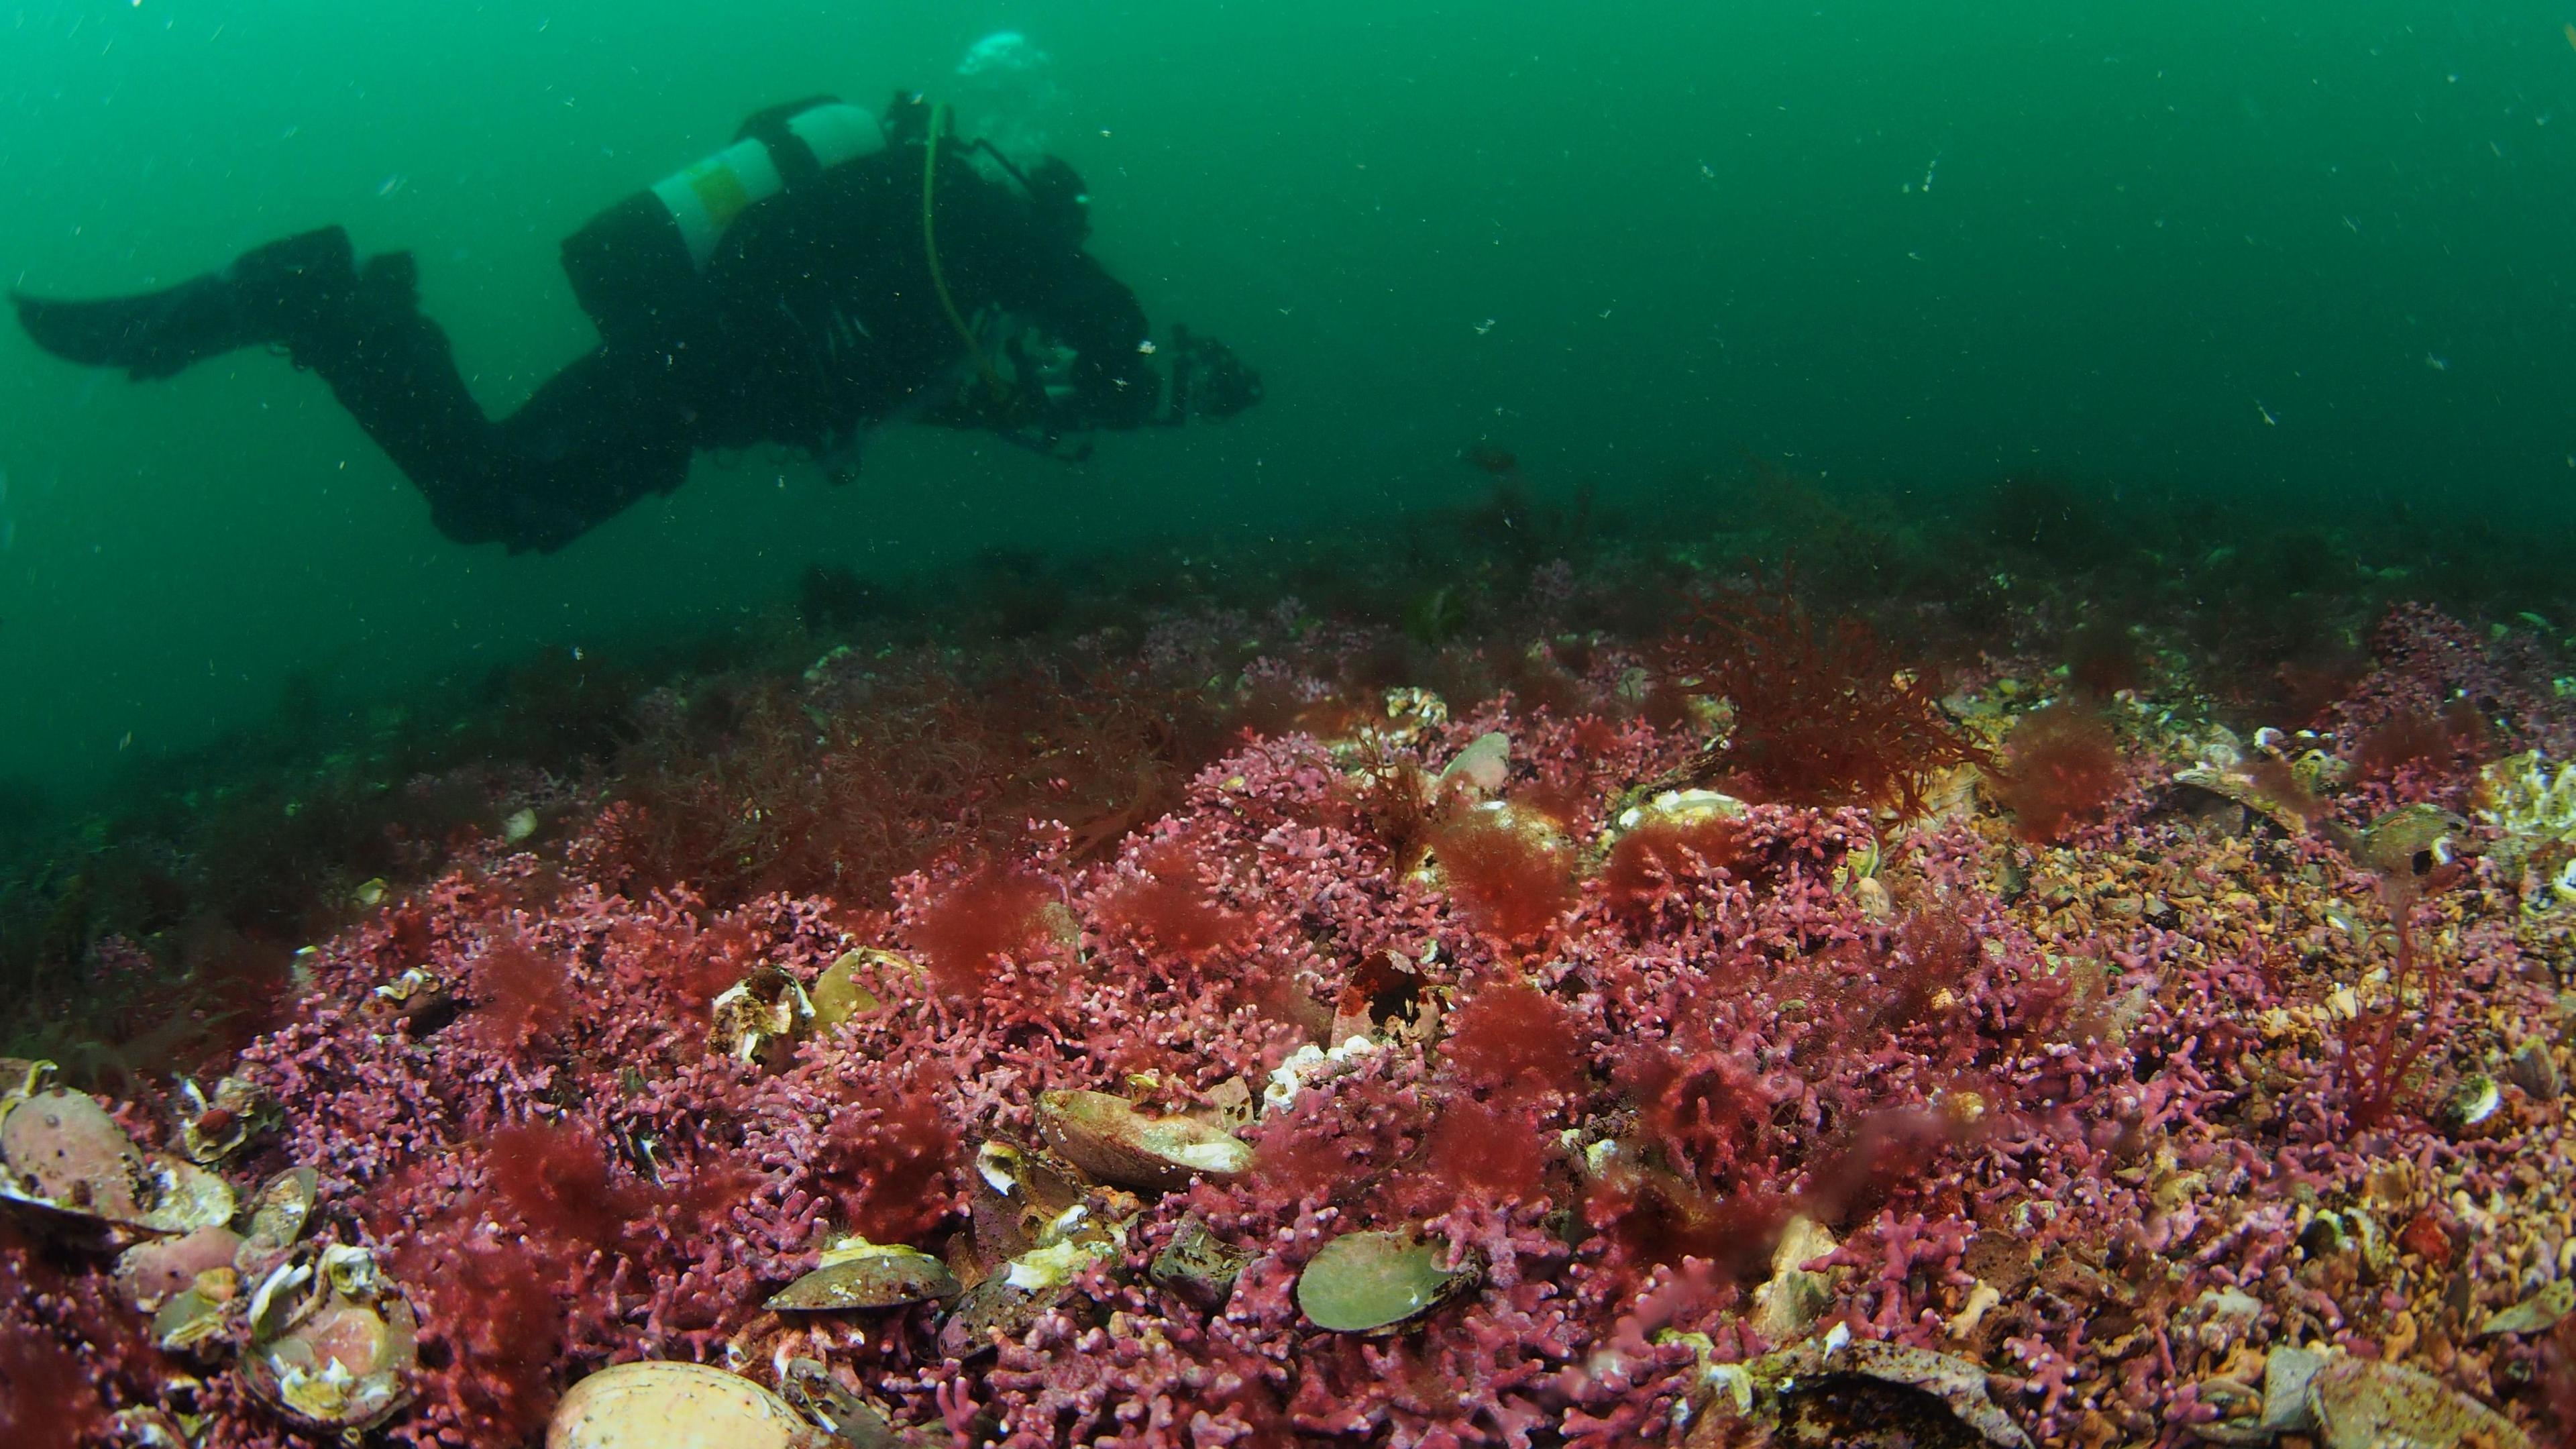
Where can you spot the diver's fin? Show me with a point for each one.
(280, 292)
(153, 335)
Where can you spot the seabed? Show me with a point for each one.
(1539, 985)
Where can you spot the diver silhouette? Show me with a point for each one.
(827, 272)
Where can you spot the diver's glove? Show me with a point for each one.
(1208, 380)
(288, 292)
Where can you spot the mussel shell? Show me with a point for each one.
(1013, 1196)
(996, 1308)
(221, 1125)
(283, 1297)
(1955, 1381)
(810, 1387)
(1198, 1265)
(2538, 1313)
(2399, 842)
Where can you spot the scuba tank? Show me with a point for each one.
(635, 268)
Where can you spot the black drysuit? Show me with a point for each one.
(814, 317)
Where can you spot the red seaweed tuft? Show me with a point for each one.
(886, 1164)
(492, 1331)
(520, 997)
(1824, 714)
(1171, 907)
(982, 917)
(2060, 766)
(1511, 1036)
(557, 1181)
(1659, 856)
(1510, 877)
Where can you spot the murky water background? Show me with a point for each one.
(2318, 251)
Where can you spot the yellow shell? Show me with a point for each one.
(676, 1406)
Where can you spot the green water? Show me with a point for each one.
(2319, 249)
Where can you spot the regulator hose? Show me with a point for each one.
(930, 250)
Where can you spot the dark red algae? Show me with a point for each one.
(2087, 1095)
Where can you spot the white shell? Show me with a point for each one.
(676, 1406)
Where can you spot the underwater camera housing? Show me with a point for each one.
(1208, 380)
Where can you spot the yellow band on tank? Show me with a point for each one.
(705, 198)
(720, 192)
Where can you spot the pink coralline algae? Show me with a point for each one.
(2083, 1118)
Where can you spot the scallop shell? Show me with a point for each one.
(60, 1150)
(1107, 1137)
(347, 1366)
(153, 1271)
(838, 994)
(656, 1405)
(189, 1318)
(2363, 1403)
(1368, 1281)
(879, 1277)
(284, 1206)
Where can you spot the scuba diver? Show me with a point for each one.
(827, 272)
